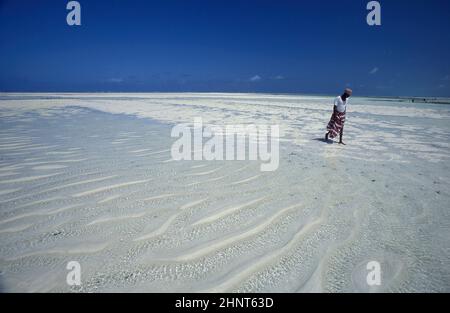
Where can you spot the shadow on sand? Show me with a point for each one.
(330, 142)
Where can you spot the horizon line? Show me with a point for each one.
(226, 92)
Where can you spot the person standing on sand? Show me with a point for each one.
(336, 124)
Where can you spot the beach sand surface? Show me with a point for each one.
(89, 178)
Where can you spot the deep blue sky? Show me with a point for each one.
(243, 46)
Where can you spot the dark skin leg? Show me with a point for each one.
(340, 136)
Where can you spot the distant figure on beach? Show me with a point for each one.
(336, 124)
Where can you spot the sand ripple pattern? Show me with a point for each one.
(79, 183)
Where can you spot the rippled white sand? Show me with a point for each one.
(89, 177)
